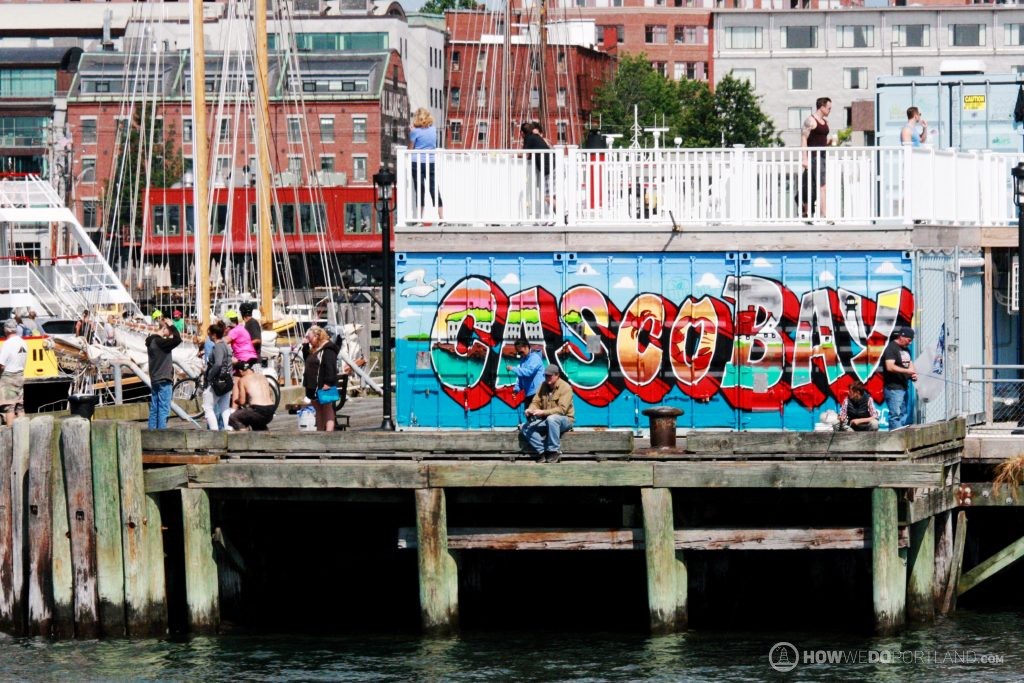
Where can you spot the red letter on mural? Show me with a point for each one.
(701, 343)
(640, 345)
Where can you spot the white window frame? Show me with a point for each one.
(748, 75)
(188, 133)
(294, 127)
(789, 78)
(95, 130)
(452, 131)
(861, 74)
(795, 117)
(88, 174)
(360, 136)
(784, 38)
(483, 129)
(845, 36)
(332, 128)
(753, 34)
(359, 171)
(899, 32)
(982, 38)
(1013, 34)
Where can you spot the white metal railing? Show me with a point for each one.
(659, 188)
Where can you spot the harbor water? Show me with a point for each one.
(975, 646)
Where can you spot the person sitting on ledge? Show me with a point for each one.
(551, 414)
(858, 413)
(252, 399)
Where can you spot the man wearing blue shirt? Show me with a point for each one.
(529, 372)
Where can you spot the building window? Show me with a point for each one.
(799, 37)
(222, 170)
(912, 35)
(88, 170)
(358, 129)
(855, 36)
(911, 71)
(855, 78)
(456, 96)
(481, 61)
(967, 35)
(455, 130)
(186, 131)
(743, 38)
(90, 213)
(748, 75)
(481, 97)
(561, 62)
(534, 97)
(1013, 34)
(1018, 69)
(620, 33)
(799, 79)
(691, 35)
(225, 130)
(88, 131)
(561, 132)
(294, 130)
(655, 34)
(560, 97)
(481, 132)
(796, 116)
(327, 163)
(456, 60)
(359, 168)
(326, 129)
(661, 68)
(359, 217)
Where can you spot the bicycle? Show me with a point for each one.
(187, 393)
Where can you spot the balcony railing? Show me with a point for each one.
(662, 189)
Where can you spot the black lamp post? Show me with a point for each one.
(383, 183)
(1018, 198)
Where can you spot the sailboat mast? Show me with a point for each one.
(542, 62)
(266, 250)
(505, 139)
(200, 167)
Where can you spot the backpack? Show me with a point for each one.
(223, 381)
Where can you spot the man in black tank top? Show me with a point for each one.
(815, 133)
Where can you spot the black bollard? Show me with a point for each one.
(663, 425)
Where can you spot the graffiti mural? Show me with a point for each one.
(730, 345)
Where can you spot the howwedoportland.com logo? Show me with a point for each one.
(785, 657)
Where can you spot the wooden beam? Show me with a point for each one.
(943, 556)
(77, 457)
(63, 624)
(921, 572)
(438, 573)
(179, 459)
(7, 618)
(666, 567)
(165, 478)
(926, 503)
(368, 475)
(807, 474)
(475, 474)
(1002, 559)
(156, 581)
(40, 528)
(141, 617)
(200, 569)
(107, 507)
(959, 542)
(887, 570)
(19, 509)
(986, 494)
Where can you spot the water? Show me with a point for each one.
(969, 638)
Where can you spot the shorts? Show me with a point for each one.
(255, 417)
(12, 390)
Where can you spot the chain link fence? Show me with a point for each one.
(999, 391)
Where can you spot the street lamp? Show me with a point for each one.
(383, 183)
(1018, 198)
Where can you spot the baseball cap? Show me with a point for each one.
(906, 331)
(157, 313)
(552, 369)
(231, 315)
(177, 313)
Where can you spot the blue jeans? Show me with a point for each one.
(896, 401)
(159, 403)
(544, 435)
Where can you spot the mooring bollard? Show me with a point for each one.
(663, 425)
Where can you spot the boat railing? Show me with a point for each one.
(659, 189)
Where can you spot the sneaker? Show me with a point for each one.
(552, 456)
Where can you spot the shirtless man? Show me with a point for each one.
(252, 400)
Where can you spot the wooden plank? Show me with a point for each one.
(986, 494)
(959, 542)
(809, 474)
(841, 538)
(179, 459)
(7, 619)
(76, 455)
(63, 624)
(921, 572)
(40, 528)
(476, 474)
(438, 574)
(1002, 559)
(19, 509)
(888, 575)
(666, 567)
(107, 508)
(156, 581)
(140, 617)
(201, 585)
(927, 503)
(165, 478)
(183, 440)
(308, 475)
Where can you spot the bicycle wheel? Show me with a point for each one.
(188, 395)
(276, 390)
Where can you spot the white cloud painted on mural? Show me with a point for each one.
(761, 262)
(826, 276)
(625, 283)
(408, 313)
(510, 279)
(586, 269)
(709, 280)
(887, 268)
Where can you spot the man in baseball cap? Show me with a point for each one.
(550, 414)
(898, 372)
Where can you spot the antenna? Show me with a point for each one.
(637, 130)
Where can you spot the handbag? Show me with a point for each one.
(223, 381)
(327, 396)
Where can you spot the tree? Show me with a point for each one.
(740, 116)
(635, 84)
(441, 6)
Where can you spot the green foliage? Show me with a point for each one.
(843, 136)
(440, 6)
(731, 114)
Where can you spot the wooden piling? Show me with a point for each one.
(887, 569)
(107, 509)
(201, 587)
(63, 623)
(666, 570)
(921, 572)
(956, 563)
(439, 580)
(40, 528)
(6, 531)
(19, 509)
(155, 577)
(943, 555)
(77, 458)
(141, 618)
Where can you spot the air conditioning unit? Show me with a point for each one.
(307, 6)
(287, 179)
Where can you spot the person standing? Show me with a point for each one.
(423, 136)
(239, 339)
(814, 138)
(83, 327)
(898, 372)
(252, 326)
(320, 372)
(31, 325)
(253, 400)
(551, 414)
(161, 371)
(530, 371)
(13, 355)
(858, 413)
(916, 130)
(540, 182)
(217, 406)
(179, 322)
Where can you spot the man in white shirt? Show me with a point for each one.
(13, 354)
